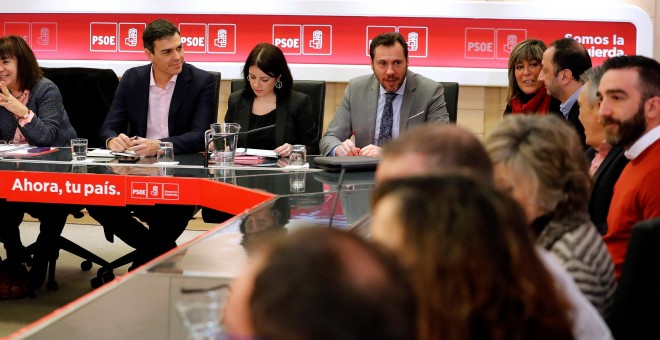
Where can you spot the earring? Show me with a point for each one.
(278, 84)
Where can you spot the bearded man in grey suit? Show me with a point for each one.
(366, 112)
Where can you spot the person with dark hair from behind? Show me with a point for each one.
(472, 260)
(607, 161)
(31, 112)
(268, 99)
(539, 162)
(378, 107)
(630, 113)
(447, 149)
(166, 100)
(320, 283)
(563, 63)
(434, 147)
(526, 94)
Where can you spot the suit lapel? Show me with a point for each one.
(245, 111)
(372, 109)
(408, 99)
(614, 152)
(280, 122)
(180, 93)
(141, 98)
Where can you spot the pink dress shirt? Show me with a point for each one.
(603, 150)
(159, 108)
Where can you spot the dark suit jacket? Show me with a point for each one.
(604, 179)
(575, 122)
(191, 108)
(294, 123)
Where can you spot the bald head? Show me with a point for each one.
(434, 148)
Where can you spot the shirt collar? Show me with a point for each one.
(152, 82)
(604, 147)
(643, 143)
(400, 91)
(566, 106)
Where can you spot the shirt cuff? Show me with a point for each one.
(22, 121)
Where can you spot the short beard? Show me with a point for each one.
(629, 130)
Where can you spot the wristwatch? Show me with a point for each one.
(26, 115)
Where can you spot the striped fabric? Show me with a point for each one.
(575, 242)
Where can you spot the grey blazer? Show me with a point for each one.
(423, 101)
(50, 125)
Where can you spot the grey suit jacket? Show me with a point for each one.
(423, 101)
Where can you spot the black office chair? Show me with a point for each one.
(635, 313)
(216, 102)
(451, 97)
(87, 94)
(315, 89)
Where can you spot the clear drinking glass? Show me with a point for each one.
(298, 155)
(297, 181)
(165, 152)
(79, 149)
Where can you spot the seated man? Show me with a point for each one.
(167, 100)
(337, 286)
(377, 107)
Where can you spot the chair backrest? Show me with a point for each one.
(87, 95)
(315, 89)
(451, 97)
(216, 100)
(635, 312)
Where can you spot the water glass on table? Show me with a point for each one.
(298, 156)
(79, 149)
(165, 152)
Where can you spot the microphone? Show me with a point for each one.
(256, 130)
(340, 182)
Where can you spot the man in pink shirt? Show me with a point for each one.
(167, 100)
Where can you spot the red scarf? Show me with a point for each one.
(540, 103)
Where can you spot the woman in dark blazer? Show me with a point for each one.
(269, 100)
(31, 112)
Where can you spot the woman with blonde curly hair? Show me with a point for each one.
(539, 161)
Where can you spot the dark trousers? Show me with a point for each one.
(165, 224)
(52, 218)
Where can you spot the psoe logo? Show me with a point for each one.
(139, 190)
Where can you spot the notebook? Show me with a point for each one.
(350, 163)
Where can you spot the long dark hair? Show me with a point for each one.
(473, 263)
(28, 71)
(270, 59)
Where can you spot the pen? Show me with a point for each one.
(352, 138)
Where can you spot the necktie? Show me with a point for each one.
(387, 119)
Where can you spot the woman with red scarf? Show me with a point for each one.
(526, 93)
